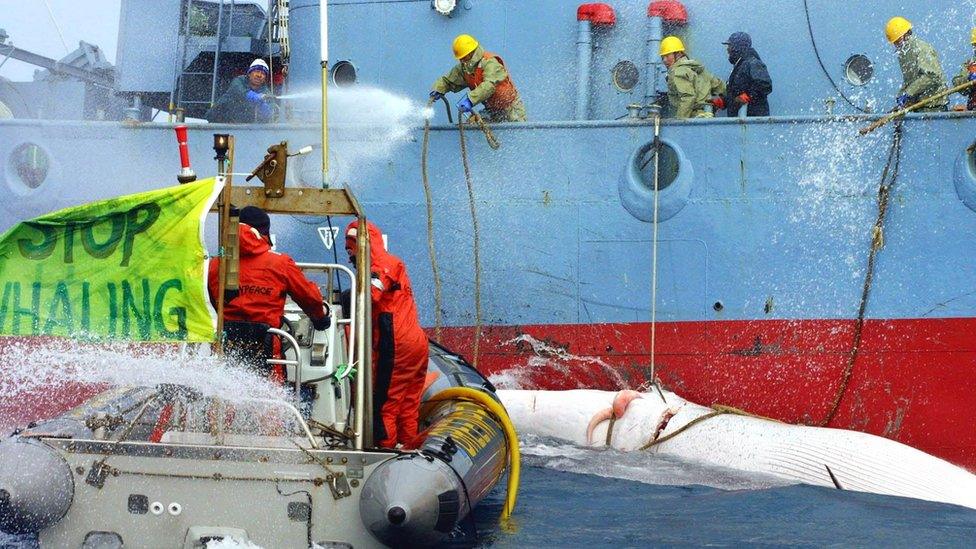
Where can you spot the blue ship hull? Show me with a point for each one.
(764, 232)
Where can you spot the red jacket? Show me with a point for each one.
(266, 277)
(399, 345)
(392, 292)
(505, 91)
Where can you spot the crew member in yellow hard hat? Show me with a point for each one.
(691, 88)
(968, 74)
(485, 76)
(920, 67)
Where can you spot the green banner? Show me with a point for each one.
(129, 268)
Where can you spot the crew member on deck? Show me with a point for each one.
(266, 277)
(400, 346)
(749, 83)
(485, 75)
(691, 88)
(920, 67)
(968, 74)
(247, 100)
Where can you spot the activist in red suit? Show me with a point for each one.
(399, 344)
(266, 277)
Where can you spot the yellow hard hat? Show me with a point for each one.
(972, 37)
(671, 44)
(463, 45)
(896, 28)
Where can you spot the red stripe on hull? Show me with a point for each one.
(914, 380)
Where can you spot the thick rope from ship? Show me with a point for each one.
(494, 144)
(657, 176)
(888, 178)
(431, 248)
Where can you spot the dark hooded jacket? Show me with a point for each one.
(233, 107)
(749, 75)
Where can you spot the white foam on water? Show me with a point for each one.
(645, 467)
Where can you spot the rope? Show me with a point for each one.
(717, 410)
(816, 52)
(888, 177)
(613, 421)
(489, 135)
(657, 172)
(431, 248)
(474, 224)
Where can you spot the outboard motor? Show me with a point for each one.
(36, 486)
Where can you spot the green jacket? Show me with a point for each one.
(454, 80)
(691, 87)
(921, 70)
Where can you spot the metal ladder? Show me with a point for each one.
(178, 97)
(278, 32)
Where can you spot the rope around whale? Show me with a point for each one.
(717, 410)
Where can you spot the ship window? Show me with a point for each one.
(625, 76)
(30, 164)
(858, 69)
(344, 74)
(667, 167)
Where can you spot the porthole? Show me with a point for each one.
(29, 165)
(344, 74)
(625, 76)
(858, 69)
(674, 178)
(667, 167)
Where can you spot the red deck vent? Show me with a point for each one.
(671, 11)
(596, 14)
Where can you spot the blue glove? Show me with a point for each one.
(465, 105)
(254, 97)
(436, 95)
(903, 100)
(972, 76)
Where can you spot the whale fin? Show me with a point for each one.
(833, 478)
(622, 400)
(598, 418)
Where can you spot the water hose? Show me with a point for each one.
(498, 411)
(898, 114)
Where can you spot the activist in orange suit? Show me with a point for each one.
(266, 277)
(399, 344)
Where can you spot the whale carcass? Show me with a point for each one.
(664, 423)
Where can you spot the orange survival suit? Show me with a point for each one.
(399, 344)
(266, 277)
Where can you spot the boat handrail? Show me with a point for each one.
(285, 362)
(351, 313)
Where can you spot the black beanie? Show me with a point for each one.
(255, 217)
